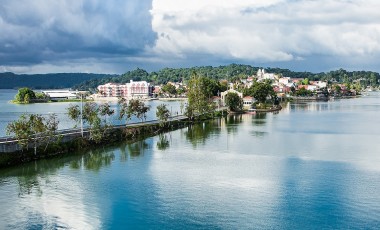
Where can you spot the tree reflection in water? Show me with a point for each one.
(33, 175)
(163, 142)
(137, 148)
(132, 150)
(200, 132)
(94, 160)
(259, 119)
(232, 122)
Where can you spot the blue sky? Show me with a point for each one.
(115, 36)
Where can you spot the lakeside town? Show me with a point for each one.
(282, 89)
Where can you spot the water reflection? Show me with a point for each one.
(199, 133)
(94, 160)
(308, 106)
(259, 119)
(232, 122)
(138, 148)
(163, 141)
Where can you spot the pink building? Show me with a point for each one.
(139, 89)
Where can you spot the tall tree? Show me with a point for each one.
(162, 113)
(199, 96)
(262, 90)
(234, 102)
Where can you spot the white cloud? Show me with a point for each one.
(267, 31)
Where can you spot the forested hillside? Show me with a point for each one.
(231, 72)
(10, 80)
(85, 81)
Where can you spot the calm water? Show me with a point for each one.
(311, 166)
(10, 112)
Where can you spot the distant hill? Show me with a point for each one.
(10, 80)
(230, 72)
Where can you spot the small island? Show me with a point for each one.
(27, 96)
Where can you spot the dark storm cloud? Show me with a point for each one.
(42, 31)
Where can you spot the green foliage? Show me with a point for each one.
(90, 115)
(305, 81)
(135, 107)
(199, 93)
(304, 92)
(162, 113)
(169, 88)
(337, 89)
(33, 128)
(24, 95)
(163, 142)
(73, 112)
(234, 102)
(27, 99)
(262, 90)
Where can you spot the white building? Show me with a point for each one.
(247, 102)
(134, 89)
(60, 94)
(261, 75)
(320, 84)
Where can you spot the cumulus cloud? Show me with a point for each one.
(116, 35)
(268, 31)
(43, 32)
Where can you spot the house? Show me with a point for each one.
(247, 102)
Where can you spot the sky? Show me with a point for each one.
(114, 36)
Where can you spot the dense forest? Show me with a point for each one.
(10, 80)
(231, 72)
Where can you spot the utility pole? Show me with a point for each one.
(81, 113)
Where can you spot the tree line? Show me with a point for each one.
(230, 73)
(85, 81)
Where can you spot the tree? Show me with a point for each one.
(122, 103)
(105, 111)
(27, 99)
(135, 107)
(198, 94)
(303, 92)
(162, 113)
(305, 81)
(338, 89)
(169, 88)
(33, 128)
(90, 116)
(21, 130)
(262, 90)
(234, 102)
(22, 92)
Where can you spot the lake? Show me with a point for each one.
(10, 112)
(311, 166)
